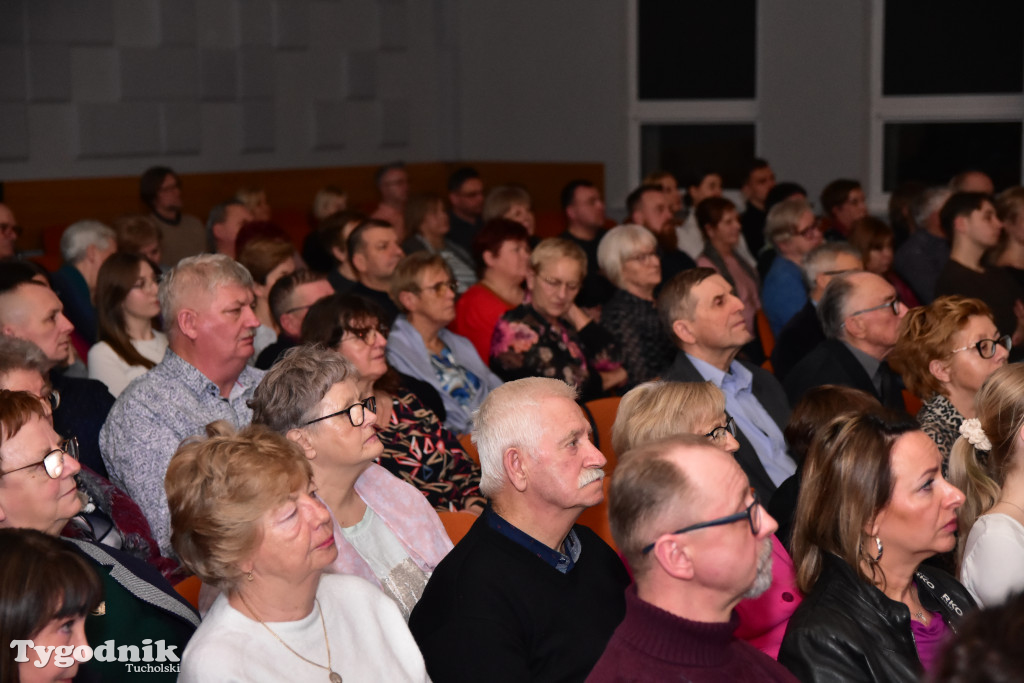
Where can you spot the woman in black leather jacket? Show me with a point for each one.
(872, 507)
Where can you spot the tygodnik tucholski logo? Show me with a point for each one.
(151, 657)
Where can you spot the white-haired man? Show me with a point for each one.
(698, 540)
(85, 245)
(206, 302)
(527, 594)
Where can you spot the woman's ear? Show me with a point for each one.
(300, 437)
(939, 370)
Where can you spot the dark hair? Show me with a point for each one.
(42, 578)
(14, 273)
(355, 238)
(901, 214)
(261, 256)
(634, 197)
(869, 234)
(756, 164)
(135, 232)
(987, 646)
(282, 290)
(330, 232)
(393, 166)
(459, 176)
(817, 408)
(710, 212)
(150, 182)
(781, 192)
(568, 195)
(961, 204)
(836, 193)
(116, 278)
(492, 235)
(418, 208)
(259, 230)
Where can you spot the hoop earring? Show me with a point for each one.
(878, 543)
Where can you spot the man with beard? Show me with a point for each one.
(647, 206)
(698, 541)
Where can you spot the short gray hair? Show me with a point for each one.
(292, 389)
(780, 225)
(21, 354)
(928, 202)
(84, 234)
(206, 273)
(822, 258)
(620, 243)
(507, 419)
(832, 307)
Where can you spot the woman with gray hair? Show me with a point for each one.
(628, 256)
(385, 530)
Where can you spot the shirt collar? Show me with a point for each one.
(738, 377)
(867, 361)
(562, 562)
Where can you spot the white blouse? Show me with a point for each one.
(114, 371)
(993, 565)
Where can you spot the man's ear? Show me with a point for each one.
(188, 323)
(854, 327)
(359, 262)
(684, 330)
(514, 462)
(675, 557)
(939, 369)
(300, 437)
(338, 254)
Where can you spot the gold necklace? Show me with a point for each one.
(333, 675)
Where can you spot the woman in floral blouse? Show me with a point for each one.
(550, 336)
(417, 447)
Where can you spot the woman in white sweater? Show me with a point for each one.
(126, 307)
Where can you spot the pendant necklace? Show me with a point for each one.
(333, 676)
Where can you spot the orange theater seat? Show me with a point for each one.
(457, 524)
(189, 589)
(764, 330)
(466, 441)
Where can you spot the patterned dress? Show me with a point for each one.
(941, 421)
(646, 348)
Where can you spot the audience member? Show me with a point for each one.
(792, 232)
(670, 186)
(758, 183)
(393, 187)
(860, 315)
(501, 251)
(699, 186)
(140, 235)
(41, 494)
(417, 446)
(224, 223)
(550, 336)
(316, 251)
(972, 180)
(511, 202)
(925, 253)
(127, 303)
(84, 246)
(873, 505)
(874, 239)
(289, 300)
(527, 593)
(374, 252)
(466, 196)
(945, 351)
(329, 199)
(267, 260)
(843, 202)
(332, 239)
(646, 206)
(803, 331)
(706, 323)
(206, 303)
(986, 463)
(247, 520)
(698, 542)
(901, 212)
(628, 257)
(585, 219)
(427, 224)
(183, 234)
(255, 199)
(9, 232)
(385, 530)
(1010, 210)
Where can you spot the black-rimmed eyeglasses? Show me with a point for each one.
(717, 434)
(365, 334)
(894, 305)
(52, 462)
(987, 347)
(750, 514)
(356, 412)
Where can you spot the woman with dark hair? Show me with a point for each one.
(417, 446)
(46, 591)
(874, 239)
(427, 224)
(873, 507)
(126, 307)
(501, 250)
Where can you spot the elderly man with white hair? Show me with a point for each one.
(85, 245)
(527, 594)
(628, 256)
(206, 302)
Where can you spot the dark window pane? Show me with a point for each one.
(935, 152)
(689, 151)
(696, 50)
(953, 47)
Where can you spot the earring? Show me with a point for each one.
(249, 575)
(878, 542)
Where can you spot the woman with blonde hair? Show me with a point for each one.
(988, 464)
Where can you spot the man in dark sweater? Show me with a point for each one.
(526, 595)
(683, 514)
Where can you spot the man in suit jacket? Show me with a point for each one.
(706, 319)
(803, 331)
(860, 314)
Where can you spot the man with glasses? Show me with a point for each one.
(420, 344)
(9, 232)
(706, 322)
(527, 594)
(290, 299)
(803, 331)
(698, 541)
(207, 306)
(793, 231)
(860, 315)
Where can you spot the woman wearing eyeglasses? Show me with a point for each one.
(37, 491)
(550, 336)
(417, 446)
(385, 530)
(873, 506)
(427, 224)
(420, 345)
(945, 352)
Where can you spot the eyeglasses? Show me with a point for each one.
(643, 257)
(806, 232)
(717, 434)
(557, 285)
(894, 305)
(987, 347)
(54, 399)
(750, 514)
(356, 412)
(365, 334)
(53, 462)
(440, 287)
